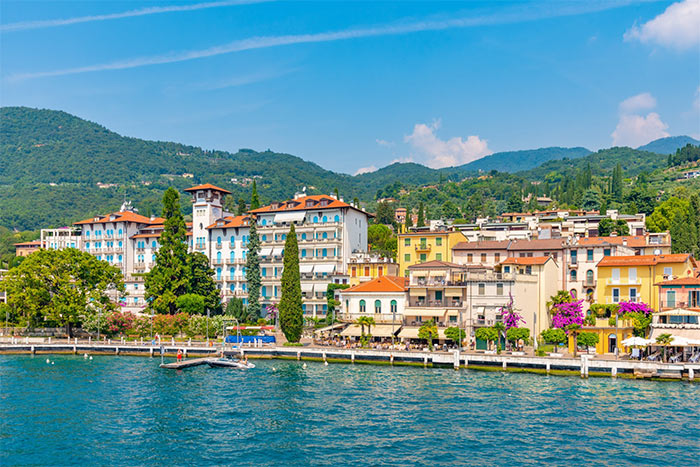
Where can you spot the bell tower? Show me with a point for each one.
(207, 207)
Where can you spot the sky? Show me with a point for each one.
(355, 86)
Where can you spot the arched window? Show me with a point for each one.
(218, 257)
(303, 253)
(377, 306)
(303, 236)
(233, 256)
(325, 235)
(393, 306)
(315, 219)
(325, 219)
(589, 276)
(153, 258)
(573, 274)
(218, 274)
(120, 244)
(153, 244)
(325, 252)
(232, 287)
(573, 293)
(231, 273)
(264, 222)
(120, 259)
(363, 306)
(120, 232)
(218, 240)
(336, 218)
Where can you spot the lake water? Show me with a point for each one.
(127, 411)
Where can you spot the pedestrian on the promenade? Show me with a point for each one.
(179, 355)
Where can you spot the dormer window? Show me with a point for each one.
(324, 202)
(309, 203)
(275, 205)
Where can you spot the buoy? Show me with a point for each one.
(273, 369)
(85, 356)
(48, 361)
(52, 363)
(325, 363)
(304, 366)
(90, 357)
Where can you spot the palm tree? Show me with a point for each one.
(500, 330)
(363, 321)
(664, 340)
(562, 296)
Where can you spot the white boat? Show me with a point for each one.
(230, 363)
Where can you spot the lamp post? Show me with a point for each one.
(99, 315)
(207, 326)
(393, 320)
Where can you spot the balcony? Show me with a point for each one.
(435, 304)
(230, 261)
(589, 282)
(217, 262)
(139, 266)
(423, 247)
(671, 304)
(219, 246)
(198, 246)
(140, 250)
(624, 281)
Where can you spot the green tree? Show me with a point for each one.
(616, 184)
(684, 232)
(664, 340)
(660, 220)
(591, 199)
(562, 296)
(200, 281)
(252, 269)
(429, 332)
(554, 336)
(236, 309)
(382, 240)
(192, 304)
(455, 334)
(450, 210)
(515, 334)
(168, 278)
(515, 202)
(254, 198)
(587, 339)
(363, 321)
(489, 335)
(60, 287)
(291, 314)
(408, 222)
(385, 214)
(331, 301)
(242, 207)
(420, 222)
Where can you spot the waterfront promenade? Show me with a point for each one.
(584, 365)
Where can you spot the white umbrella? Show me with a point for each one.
(635, 341)
(678, 341)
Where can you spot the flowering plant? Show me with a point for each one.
(634, 307)
(511, 318)
(119, 323)
(567, 314)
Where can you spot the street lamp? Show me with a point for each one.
(207, 326)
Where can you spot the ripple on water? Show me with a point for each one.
(127, 411)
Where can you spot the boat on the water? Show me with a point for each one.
(230, 363)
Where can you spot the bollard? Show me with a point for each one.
(26, 340)
(172, 341)
(151, 351)
(425, 361)
(33, 351)
(466, 362)
(352, 357)
(189, 342)
(184, 353)
(549, 367)
(109, 341)
(89, 339)
(116, 351)
(504, 364)
(298, 355)
(391, 358)
(691, 374)
(49, 339)
(324, 356)
(613, 371)
(584, 368)
(76, 340)
(142, 341)
(75, 350)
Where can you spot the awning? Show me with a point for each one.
(265, 251)
(417, 292)
(320, 288)
(327, 268)
(453, 292)
(277, 251)
(692, 334)
(295, 216)
(431, 312)
(678, 312)
(378, 330)
(332, 327)
(306, 287)
(306, 268)
(412, 333)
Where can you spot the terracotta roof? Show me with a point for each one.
(483, 245)
(435, 264)
(230, 221)
(681, 281)
(527, 261)
(32, 243)
(299, 204)
(125, 216)
(208, 186)
(538, 244)
(643, 260)
(381, 284)
(147, 235)
(632, 240)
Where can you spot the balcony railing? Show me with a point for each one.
(436, 303)
(670, 304)
(219, 246)
(589, 282)
(423, 247)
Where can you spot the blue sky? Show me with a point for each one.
(356, 86)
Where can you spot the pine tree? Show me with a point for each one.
(616, 187)
(420, 222)
(169, 278)
(254, 199)
(242, 207)
(252, 270)
(291, 314)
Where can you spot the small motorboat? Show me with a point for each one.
(229, 363)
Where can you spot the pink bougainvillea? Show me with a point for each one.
(634, 307)
(511, 318)
(567, 314)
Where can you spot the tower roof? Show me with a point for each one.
(208, 186)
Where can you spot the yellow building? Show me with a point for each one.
(608, 336)
(363, 267)
(421, 246)
(633, 278)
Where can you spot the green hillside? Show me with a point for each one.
(516, 161)
(668, 145)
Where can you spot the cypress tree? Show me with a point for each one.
(252, 270)
(169, 279)
(420, 222)
(291, 314)
(616, 187)
(408, 223)
(684, 239)
(254, 199)
(242, 207)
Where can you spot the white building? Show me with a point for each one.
(383, 299)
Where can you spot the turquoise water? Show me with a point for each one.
(127, 411)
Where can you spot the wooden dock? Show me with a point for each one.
(186, 363)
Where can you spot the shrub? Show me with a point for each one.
(554, 336)
(119, 323)
(515, 334)
(455, 334)
(587, 339)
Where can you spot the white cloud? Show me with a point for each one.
(50, 23)
(515, 15)
(636, 130)
(402, 160)
(455, 151)
(385, 143)
(643, 101)
(677, 27)
(366, 170)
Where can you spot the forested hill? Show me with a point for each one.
(516, 161)
(668, 145)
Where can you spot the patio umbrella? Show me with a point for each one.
(636, 341)
(679, 341)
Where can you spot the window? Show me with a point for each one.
(482, 289)
(606, 252)
(632, 273)
(325, 219)
(573, 293)
(497, 257)
(589, 276)
(572, 275)
(393, 306)
(423, 257)
(483, 257)
(218, 274)
(303, 253)
(303, 236)
(589, 254)
(380, 271)
(377, 306)
(263, 271)
(336, 218)
(668, 271)
(325, 252)
(633, 295)
(499, 289)
(407, 241)
(616, 295)
(353, 272)
(574, 256)
(324, 236)
(671, 299)
(616, 275)
(528, 269)
(506, 269)
(363, 306)
(438, 241)
(438, 256)
(470, 257)
(315, 219)
(423, 242)
(366, 271)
